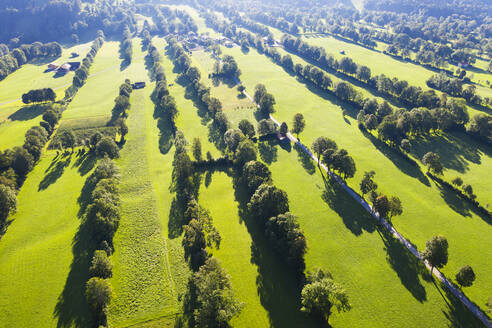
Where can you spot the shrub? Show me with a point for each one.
(107, 146)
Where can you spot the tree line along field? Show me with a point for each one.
(461, 157)
(46, 253)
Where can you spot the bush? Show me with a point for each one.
(8, 202)
(98, 293)
(107, 146)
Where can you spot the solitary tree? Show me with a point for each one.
(465, 277)
(196, 149)
(298, 124)
(395, 207)
(457, 181)
(436, 252)
(382, 205)
(321, 144)
(433, 162)
(283, 128)
(98, 293)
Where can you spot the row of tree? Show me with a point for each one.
(39, 95)
(82, 73)
(213, 303)
(101, 219)
(201, 93)
(25, 53)
(454, 87)
(121, 105)
(126, 48)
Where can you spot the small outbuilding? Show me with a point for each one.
(138, 85)
(342, 52)
(53, 66)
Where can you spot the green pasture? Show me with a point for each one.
(41, 284)
(15, 117)
(95, 100)
(217, 196)
(429, 209)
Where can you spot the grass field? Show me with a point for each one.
(36, 251)
(235, 248)
(15, 117)
(428, 209)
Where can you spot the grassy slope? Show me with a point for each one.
(428, 211)
(235, 248)
(15, 117)
(36, 251)
(142, 281)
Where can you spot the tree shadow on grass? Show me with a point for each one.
(72, 309)
(85, 163)
(457, 313)
(268, 151)
(27, 113)
(455, 149)
(216, 136)
(278, 286)
(405, 264)
(404, 164)
(166, 135)
(458, 204)
(176, 220)
(54, 173)
(354, 216)
(306, 160)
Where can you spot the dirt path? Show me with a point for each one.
(440, 276)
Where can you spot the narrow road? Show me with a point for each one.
(472, 307)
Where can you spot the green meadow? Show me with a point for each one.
(39, 285)
(15, 117)
(429, 209)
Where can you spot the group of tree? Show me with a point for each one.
(386, 207)
(126, 48)
(39, 95)
(227, 67)
(102, 218)
(82, 73)
(201, 93)
(168, 20)
(321, 293)
(17, 162)
(396, 126)
(335, 159)
(264, 100)
(55, 20)
(26, 53)
(454, 87)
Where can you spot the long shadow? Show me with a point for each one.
(27, 113)
(278, 286)
(403, 163)
(405, 264)
(72, 309)
(457, 313)
(306, 160)
(353, 215)
(454, 148)
(85, 162)
(458, 204)
(485, 109)
(54, 173)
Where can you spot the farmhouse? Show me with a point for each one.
(138, 85)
